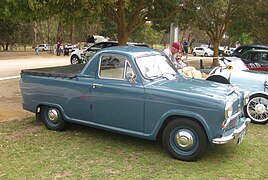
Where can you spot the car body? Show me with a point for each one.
(69, 48)
(256, 59)
(256, 82)
(43, 47)
(137, 91)
(82, 56)
(202, 51)
(241, 49)
(229, 51)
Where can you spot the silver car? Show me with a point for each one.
(256, 82)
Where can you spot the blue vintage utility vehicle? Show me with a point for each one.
(137, 91)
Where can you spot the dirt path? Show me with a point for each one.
(10, 106)
(10, 96)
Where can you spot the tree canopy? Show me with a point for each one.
(142, 20)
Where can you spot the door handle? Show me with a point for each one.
(94, 85)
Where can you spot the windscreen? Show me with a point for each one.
(156, 66)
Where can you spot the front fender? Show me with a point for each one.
(180, 113)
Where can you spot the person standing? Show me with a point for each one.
(185, 46)
(36, 50)
(58, 48)
(172, 50)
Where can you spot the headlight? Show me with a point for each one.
(246, 98)
(228, 109)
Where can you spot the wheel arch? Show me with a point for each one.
(39, 106)
(258, 93)
(75, 55)
(171, 118)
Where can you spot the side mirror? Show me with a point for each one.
(131, 77)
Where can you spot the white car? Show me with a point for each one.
(202, 51)
(43, 47)
(82, 56)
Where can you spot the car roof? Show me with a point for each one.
(256, 50)
(135, 51)
(128, 43)
(254, 46)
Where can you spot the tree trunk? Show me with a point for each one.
(59, 32)
(122, 37)
(6, 48)
(216, 54)
(122, 34)
(48, 30)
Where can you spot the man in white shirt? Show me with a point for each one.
(172, 50)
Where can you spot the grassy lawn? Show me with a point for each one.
(30, 151)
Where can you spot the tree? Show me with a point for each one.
(212, 16)
(129, 15)
(250, 24)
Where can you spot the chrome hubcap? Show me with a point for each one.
(184, 139)
(53, 115)
(260, 108)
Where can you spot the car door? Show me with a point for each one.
(116, 101)
(200, 51)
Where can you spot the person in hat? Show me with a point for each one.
(172, 50)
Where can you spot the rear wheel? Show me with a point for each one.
(194, 54)
(184, 139)
(52, 118)
(75, 59)
(257, 108)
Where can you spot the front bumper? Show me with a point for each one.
(236, 136)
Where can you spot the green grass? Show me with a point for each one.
(29, 151)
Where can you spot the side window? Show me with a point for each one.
(114, 67)
(254, 57)
(248, 57)
(264, 57)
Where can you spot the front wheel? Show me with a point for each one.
(194, 54)
(75, 59)
(52, 118)
(184, 139)
(257, 108)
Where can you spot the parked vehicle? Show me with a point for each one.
(82, 56)
(233, 70)
(137, 91)
(202, 51)
(220, 49)
(241, 49)
(256, 59)
(229, 51)
(43, 47)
